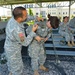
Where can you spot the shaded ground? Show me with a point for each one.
(65, 67)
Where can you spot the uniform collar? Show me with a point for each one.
(19, 24)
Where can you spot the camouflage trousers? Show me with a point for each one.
(68, 36)
(15, 64)
(37, 54)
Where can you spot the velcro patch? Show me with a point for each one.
(21, 35)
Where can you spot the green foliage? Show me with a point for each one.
(30, 12)
(72, 16)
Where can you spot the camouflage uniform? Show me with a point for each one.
(72, 23)
(65, 31)
(13, 46)
(37, 49)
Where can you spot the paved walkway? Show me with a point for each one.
(65, 67)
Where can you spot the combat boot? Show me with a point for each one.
(43, 68)
(73, 44)
(69, 44)
(10, 73)
(36, 72)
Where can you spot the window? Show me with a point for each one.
(63, 13)
(43, 13)
(36, 13)
(53, 12)
(73, 12)
(31, 6)
(28, 5)
(59, 12)
(25, 6)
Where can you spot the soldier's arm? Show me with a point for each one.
(49, 29)
(20, 37)
(36, 37)
(49, 33)
(28, 30)
(61, 27)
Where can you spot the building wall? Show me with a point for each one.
(53, 11)
(46, 9)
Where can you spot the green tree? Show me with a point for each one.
(30, 12)
(72, 16)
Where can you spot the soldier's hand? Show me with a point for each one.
(35, 27)
(39, 19)
(45, 39)
(39, 38)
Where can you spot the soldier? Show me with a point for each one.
(65, 31)
(72, 23)
(36, 49)
(15, 38)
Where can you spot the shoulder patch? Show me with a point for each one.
(21, 36)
